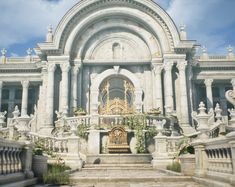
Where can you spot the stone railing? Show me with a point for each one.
(55, 144)
(216, 158)
(215, 58)
(15, 158)
(66, 147)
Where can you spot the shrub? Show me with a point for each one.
(175, 166)
(56, 174)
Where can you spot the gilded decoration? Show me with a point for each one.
(117, 105)
(118, 140)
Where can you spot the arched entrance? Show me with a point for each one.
(116, 96)
(116, 76)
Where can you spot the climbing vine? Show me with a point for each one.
(138, 123)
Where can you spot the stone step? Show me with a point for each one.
(211, 182)
(118, 166)
(119, 159)
(21, 183)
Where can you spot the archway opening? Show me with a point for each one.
(116, 96)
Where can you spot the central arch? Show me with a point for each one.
(115, 72)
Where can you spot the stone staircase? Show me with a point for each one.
(130, 173)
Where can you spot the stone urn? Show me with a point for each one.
(39, 165)
(187, 162)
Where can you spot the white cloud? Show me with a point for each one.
(207, 21)
(23, 20)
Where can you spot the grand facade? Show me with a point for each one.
(112, 58)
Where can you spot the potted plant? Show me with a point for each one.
(39, 164)
(154, 111)
(79, 112)
(187, 157)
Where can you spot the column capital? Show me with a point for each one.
(208, 82)
(168, 66)
(65, 67)
(76, 68)
(157, 68)
(233, 82)
(182, 65)
(25, 83)
(51, 67)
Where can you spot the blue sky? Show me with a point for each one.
(24, 23)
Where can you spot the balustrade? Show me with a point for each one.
(10, 157)
(56, 144)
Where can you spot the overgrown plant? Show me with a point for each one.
(138, 123)
(175, 166)
(184, 146)
(56, 174)
(82, 131)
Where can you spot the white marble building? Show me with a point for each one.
(113, 57)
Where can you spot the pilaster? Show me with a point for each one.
(158, 86)
(183, 98)
(1, 85)
(65, 87)
(169, 86)
(50, 95)
(74, 101)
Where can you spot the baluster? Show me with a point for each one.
(19, 164)
(1, 160)
(10, 159)
(14, 160)
(4, 161)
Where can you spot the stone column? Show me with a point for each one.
(65, 87)
(24, 104)
(11, 102)
(233, 83)
(158, 86)
(1, 85)
(50, 95)
(183, 93)
(75, 86)
(209, 96)
(168, 86)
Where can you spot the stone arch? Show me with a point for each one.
(148, 11)
(112, 72)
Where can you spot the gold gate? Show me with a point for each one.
(117, 105)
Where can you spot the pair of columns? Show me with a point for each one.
(24, 104)
(209, 93)
(64, 95)
(168, 84)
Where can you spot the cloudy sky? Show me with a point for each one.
(23, 23)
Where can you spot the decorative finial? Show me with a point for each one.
(230, 49)
(204, 49)
(50, 28)
(183, 34)
(204, 54)
(182, 27)
(4, 52)
(230, 52)
(49, 37)
(202, 109)
(29, 51)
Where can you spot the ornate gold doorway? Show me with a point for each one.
(116, 96)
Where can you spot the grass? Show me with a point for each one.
(56, 174)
